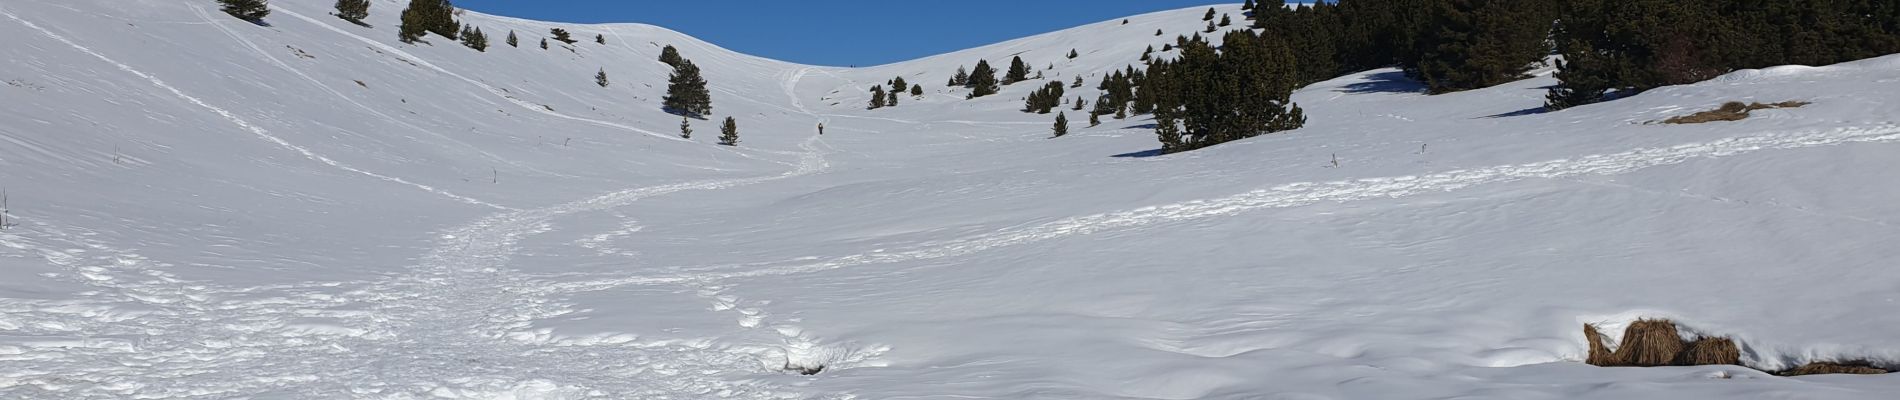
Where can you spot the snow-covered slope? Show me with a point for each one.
(213, 209)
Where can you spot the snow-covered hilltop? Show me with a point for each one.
(206, 208)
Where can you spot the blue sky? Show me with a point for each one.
(838, 32)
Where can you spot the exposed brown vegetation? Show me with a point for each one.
(1711, 351)
(1731, 111)
(1655, 343)
(1818, 368)
(1646, 343)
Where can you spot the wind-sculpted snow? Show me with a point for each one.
(942, 248)
(1300, 194)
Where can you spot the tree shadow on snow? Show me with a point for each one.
(1140, 154)
(1385, 82)
(1519, 113)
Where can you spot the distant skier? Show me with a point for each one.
(821, 128)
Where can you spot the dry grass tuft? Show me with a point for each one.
(1600, 355)
(1649, 343)
(1851, 367)
(1655, 343)
(1731, 111)
(1711, 351)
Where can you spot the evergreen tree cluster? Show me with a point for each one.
(561, 35)
(1450, 45)
(1208, 96)
(981, 81)
(1118, 90)
(686, 93)
(352, 10)
(877, 98)
(1616, 48)
(248, 10)
(1045, 99)
(474, 38)
(428, 16)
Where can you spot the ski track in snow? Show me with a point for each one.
(240, 122)
(1280, 196)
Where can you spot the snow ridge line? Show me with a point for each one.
(339, 95)
(1288, 196)
(240, 122)
(490, 88)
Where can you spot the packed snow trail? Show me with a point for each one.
(239, 121)
(1285, 196)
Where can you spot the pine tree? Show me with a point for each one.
(1072, 55)
(1080, 103)
(917, 91)
(898, 85)
(962, 78)
(1211, 28)
(729, 132)
(1247, 5)
(1210, 15)
(475, 39)
(428, 16)
(671, 56)
(599, 38)
(1148, 54)
(686, 92)
(1094, 120)
(1225, 21)
(877, 98)
(600, 78)
(982, 81)
(686, 128)
(562, 35)
(352, 10)
(544, 43)
(1480, 43)
(1157, 32)
(1018, 71)
(890, 99)
(1062, 124)
(1077, 84)
(512, 41)
(248, 10)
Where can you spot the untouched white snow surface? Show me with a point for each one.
(312, 210)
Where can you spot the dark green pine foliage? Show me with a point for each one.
(1247, 5)
(248, 10)
(475, 39)
(1078, 82)
(1080, 103)
(544, 43)
(961, 79)
(1481, 43)
(890, 98)
(729, 132)
(1211, 28)
(1062, 124)
(428, 16)
(671, 56)
(982, 81)
(1157, 32)
(1018, 71)
(600, 78)
(1208, 97)
(352, 10)
(1618, 48)
(877, 98)
(686, 128)
(917, 91)
(898, 85)
(512, 40)
(1210, 15)
(1225, 21)
(1073, 54)
(562, 35)
(1045, 99)
(686, 93)
(1095, 120)
(598, 38)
